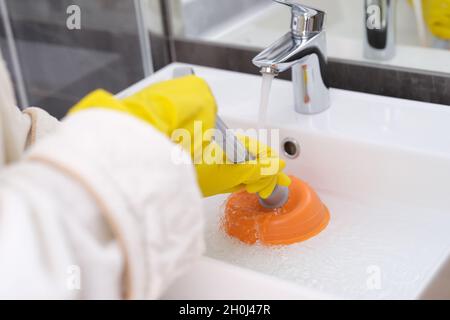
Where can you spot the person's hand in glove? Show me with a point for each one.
(261, 175)
(179, 104)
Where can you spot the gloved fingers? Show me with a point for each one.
(225, 178)
(265, 155)
(283, 180)
(256, 176)
(256, 148)
(263, 167)
(265, 186)
(271, 166)
(252, 183)
(259, 185)
(241, 173)
(267, 191)
(282, 164)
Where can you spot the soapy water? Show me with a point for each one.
(266, 85)
(338, 261)
(279, 261)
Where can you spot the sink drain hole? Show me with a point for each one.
(291, 148)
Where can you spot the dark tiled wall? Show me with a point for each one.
(60, 65)
(406, 84)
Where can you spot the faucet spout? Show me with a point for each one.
(288, 51)
(303, 50)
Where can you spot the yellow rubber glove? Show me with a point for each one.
(256, 176)
(437, 17)
(184, 103)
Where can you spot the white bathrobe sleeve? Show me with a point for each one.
(98, 209)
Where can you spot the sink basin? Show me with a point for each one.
(382, 167)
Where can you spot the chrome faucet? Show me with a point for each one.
(379, 39)
(303, 49)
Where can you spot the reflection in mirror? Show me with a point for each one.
(413, 34)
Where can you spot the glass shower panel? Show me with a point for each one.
(67, 48)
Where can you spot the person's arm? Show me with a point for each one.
(100, 198)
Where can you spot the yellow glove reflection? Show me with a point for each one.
(436, 14)
(437, 17)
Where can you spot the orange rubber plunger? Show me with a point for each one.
(302, 217)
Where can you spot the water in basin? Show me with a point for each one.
(348, 259)
(388, 233)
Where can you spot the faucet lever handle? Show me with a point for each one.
(305, 21)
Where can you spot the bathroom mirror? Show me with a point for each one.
(421, 28)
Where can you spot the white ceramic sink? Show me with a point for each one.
(381, 165)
